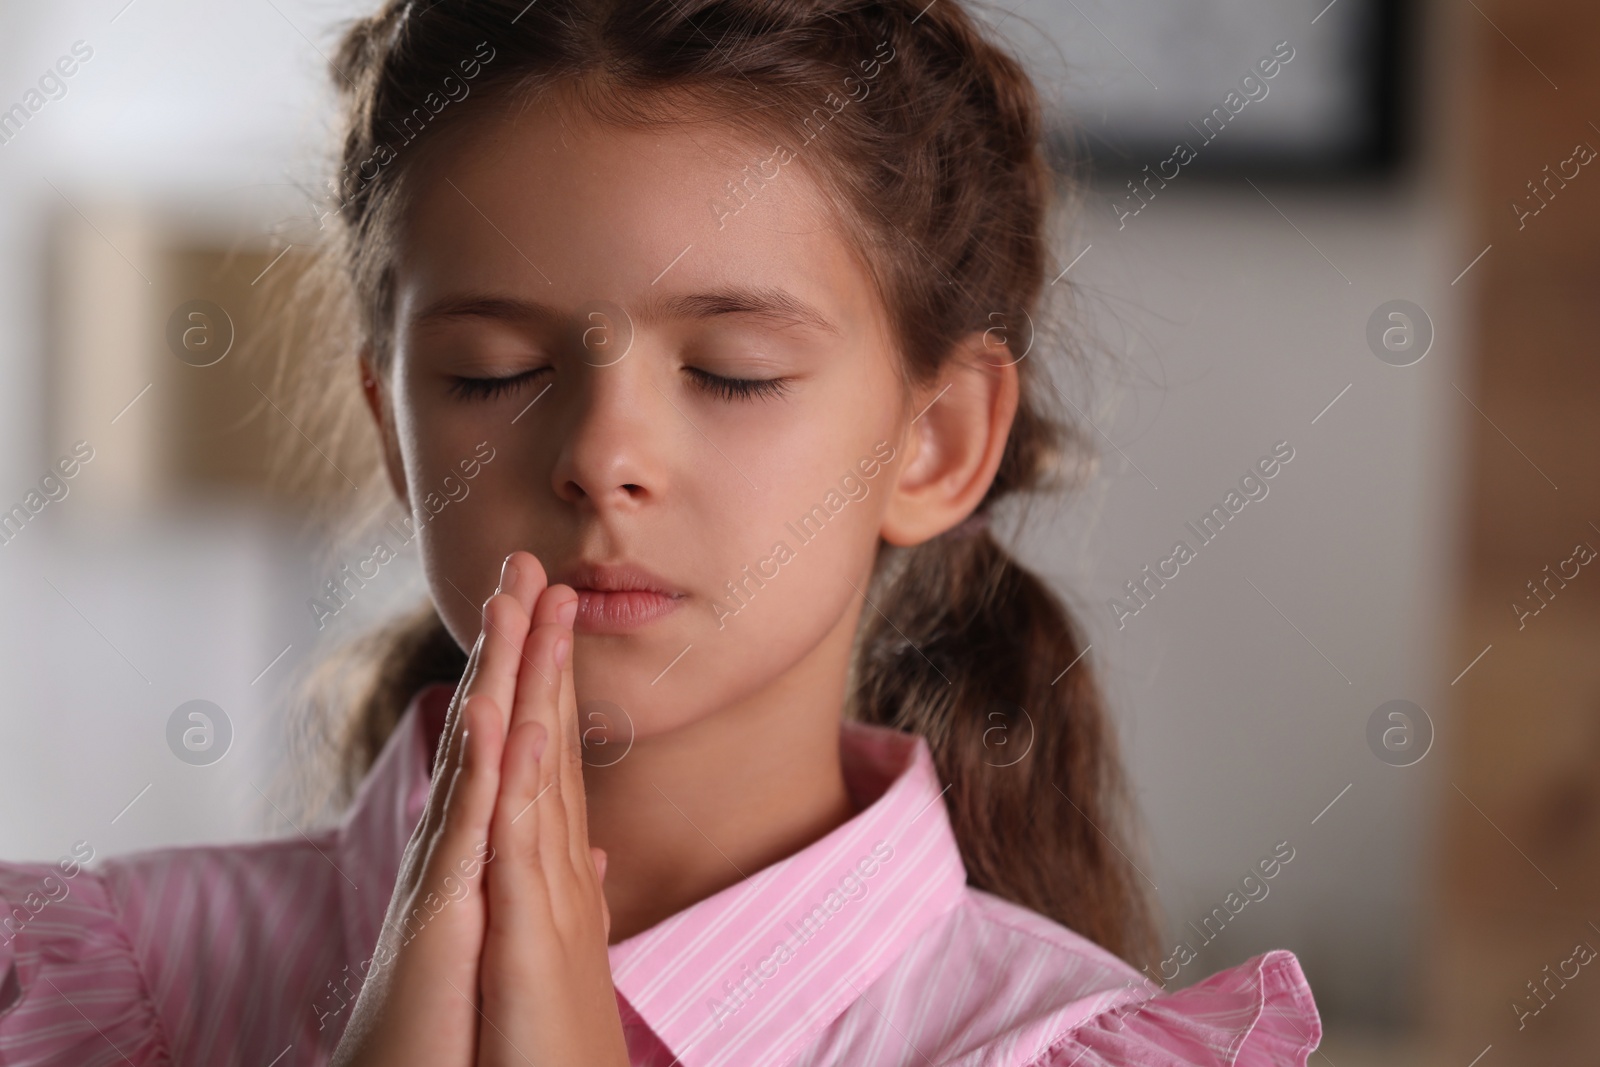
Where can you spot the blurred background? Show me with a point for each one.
(1379, 259)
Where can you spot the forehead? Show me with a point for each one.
(563, 208)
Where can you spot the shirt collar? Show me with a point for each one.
(759, 968)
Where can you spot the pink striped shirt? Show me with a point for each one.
(865, 947)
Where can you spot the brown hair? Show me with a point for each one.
(938, 165)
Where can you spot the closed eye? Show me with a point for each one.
(490, 388)
(738, 388)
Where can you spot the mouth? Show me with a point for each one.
(618, 598)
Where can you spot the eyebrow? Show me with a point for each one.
(773, 305)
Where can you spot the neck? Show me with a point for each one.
(692, 811)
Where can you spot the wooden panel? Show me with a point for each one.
(1519, 871)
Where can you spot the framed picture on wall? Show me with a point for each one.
(1220, 87)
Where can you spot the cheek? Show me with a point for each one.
(462, 548)
(462, 528)
(791, 546)
(775, 574)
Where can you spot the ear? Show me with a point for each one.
(375, 389)
(956, 441)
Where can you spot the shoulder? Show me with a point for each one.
(1072, 1002)
(999, 985)
(164, 948)
(1259, 1013)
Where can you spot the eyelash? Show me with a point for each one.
(490, 388)
(715, 384)
(738, 388)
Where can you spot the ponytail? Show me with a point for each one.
(975, 662)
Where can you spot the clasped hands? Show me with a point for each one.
(514, 971)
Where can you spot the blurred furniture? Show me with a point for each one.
(164, 346)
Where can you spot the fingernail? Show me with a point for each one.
(563, 648)
(508, 574)
(567, 612)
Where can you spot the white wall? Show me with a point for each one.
(1237, 334)
(111, 618)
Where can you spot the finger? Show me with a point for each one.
(447, 760)
(469, 803)
(574, 797)
(517, 887)
(538, 680)
(526, 579)
(448, 755)
(540, 703)
(522, 584)
(452, 715)
(557, 606)
(521, 577)
(599, 856)
(491, 669)
(431, 932)
(490, 673)
(452, 867)
(566, 610)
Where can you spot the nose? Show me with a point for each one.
(612, 453)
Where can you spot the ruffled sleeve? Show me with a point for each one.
(1257, 1014)
(71, 991)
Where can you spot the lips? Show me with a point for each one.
(618, 598)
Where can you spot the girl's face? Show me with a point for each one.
(579, 304)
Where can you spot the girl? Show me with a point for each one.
(763, 752)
